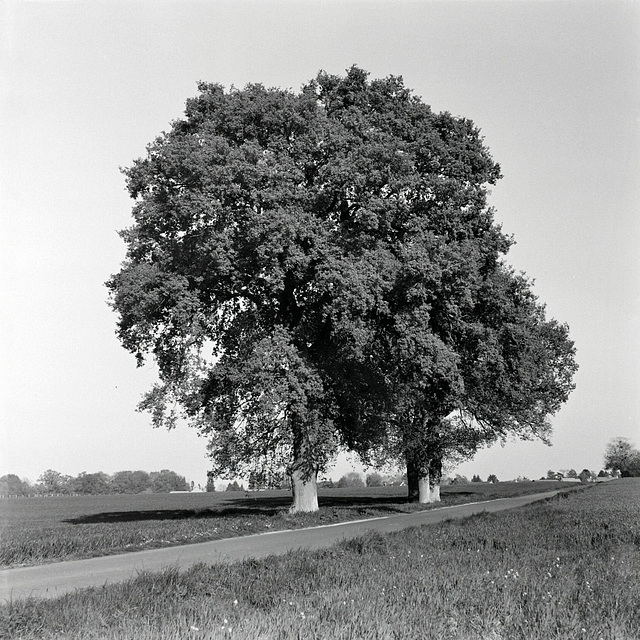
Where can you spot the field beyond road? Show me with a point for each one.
(562, 569)
(49, 529)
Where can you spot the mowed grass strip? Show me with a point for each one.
(564, 569)
(40, 530)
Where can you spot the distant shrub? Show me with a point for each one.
(350, 480)
(493, 479)
(166, 481)
(374, 480)
(91, 483)
(476, 478)
(130, 482)
(52, 482)
(11, 485)
(586, 475)
(234, 486)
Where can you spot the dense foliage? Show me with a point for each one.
(321, 270)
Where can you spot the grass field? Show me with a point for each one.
(38, 530)
(564, 569)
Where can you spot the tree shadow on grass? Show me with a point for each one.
(249, 505)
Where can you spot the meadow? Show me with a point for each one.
(562, 569)
(39, 530)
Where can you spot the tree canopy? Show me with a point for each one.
(319, 270)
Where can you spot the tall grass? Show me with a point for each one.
(38, 530)
(565, 569)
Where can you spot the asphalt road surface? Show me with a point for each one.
(56, 579)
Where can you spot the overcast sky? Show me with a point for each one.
(554, 86)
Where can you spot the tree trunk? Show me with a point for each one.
(305, 491)
(424, 464)
(303, 472)
(424, 496)
(420, 485)
(429, 492)
(413, 480)
(435, 476)
(428, 482)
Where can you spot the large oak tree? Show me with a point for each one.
(320, 269)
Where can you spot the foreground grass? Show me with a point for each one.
(565, 569)
(39, 530)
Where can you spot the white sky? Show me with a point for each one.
(86, 85)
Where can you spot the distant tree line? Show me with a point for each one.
(571, 474)
(55, 483)
(376, 479)
(621, 459)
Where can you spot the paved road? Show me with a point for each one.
(52, 580)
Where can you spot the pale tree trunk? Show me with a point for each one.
(419, 483)
(425, 495)
(424, 486)
(303, 472)
(305, 490)
(424, 465)
(435, 476)
(429, 488)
